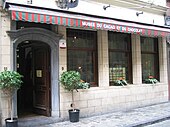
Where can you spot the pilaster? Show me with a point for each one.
(103, 62)
(136, 59)
(163, 59)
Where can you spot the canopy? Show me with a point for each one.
(37, 15)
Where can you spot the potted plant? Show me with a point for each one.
(71, 80)
(10, 82)
(151, 80)
(120, 82)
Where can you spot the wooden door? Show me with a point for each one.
(41, 81)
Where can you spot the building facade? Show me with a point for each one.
(167, 23)
(104, 41)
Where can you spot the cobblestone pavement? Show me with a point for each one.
(165, 123)
(133, 118)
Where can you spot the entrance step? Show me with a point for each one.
(37, 121)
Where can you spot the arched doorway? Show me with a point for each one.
(33, 62)
(48, 42)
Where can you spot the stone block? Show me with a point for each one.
(86, 95)
(65, 114)
(113, 107)
(5, 40)
(5, 21)
(85, 112)
(121, 99)
(140, 97)
(149, 96)
(101, 94)
(81, 104)
(130, 98)
(5, 59)
(6, 50)
(65, 97)
(113, 93)
(93, 103)
(125, 91)
(6, 113)
(106, 101)
(65, 106)
(100, 110)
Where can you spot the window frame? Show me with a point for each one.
(94, 51)
(156, 57)
(128, 51)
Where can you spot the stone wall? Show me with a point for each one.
(98, 100)
(5, 61)
(5, 104)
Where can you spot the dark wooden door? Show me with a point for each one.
(41, 81)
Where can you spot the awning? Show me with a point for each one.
(20, 13)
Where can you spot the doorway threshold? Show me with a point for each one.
(38, 120)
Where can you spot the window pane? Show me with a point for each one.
(148, 65)
(147, 44)
(80, 39)
(118, 66)
(119, 57)
(150, 57)
(81, 54)
(82, 61)
(119, 41)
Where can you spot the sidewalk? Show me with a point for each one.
(133, 118)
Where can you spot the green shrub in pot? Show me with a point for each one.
(70, 81)
(10, 81)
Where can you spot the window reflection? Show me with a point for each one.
(82, 54)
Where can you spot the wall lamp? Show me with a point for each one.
(138, 13)
(29, 1)
(105, 7)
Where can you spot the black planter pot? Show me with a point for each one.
(74, 115)
(11, 123)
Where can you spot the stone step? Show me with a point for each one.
(37, 121)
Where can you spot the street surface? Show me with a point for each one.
(165, 123)
(138, 117)
(130, 118)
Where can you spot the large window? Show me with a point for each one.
(82, 54)
(120, 65)
(150, 57)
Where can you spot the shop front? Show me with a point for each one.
(46, 42)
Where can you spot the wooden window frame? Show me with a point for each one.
(93, 50)
(156, 57)
(128, 51)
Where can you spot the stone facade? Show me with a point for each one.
(5, 60)
(96, 100)
(105, 98)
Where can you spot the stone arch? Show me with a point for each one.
(50, 38)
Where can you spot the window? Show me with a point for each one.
(119, 57)
(150, 57)
(82, 54)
